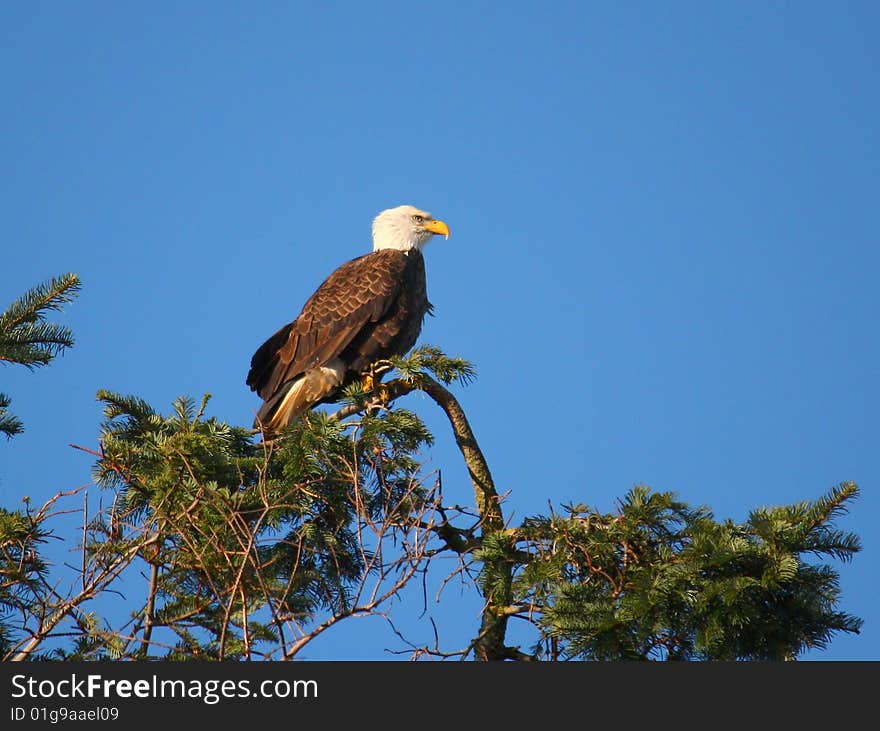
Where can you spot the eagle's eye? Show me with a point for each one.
(418, 219)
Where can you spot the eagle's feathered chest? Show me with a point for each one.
(396, 330)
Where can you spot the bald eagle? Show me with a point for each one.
(369, 309)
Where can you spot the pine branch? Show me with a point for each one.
(117, 405)
(25, 337)
(427, 358)
(9, 424)
(831, 505)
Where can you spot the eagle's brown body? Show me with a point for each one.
(370, 308)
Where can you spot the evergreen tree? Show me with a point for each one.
(657, 579)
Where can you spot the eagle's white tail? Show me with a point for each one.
(300, 395)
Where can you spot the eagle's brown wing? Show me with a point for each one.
(358, 292)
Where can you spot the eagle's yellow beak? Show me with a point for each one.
(437, 227)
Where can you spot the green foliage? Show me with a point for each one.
(27, 339)
(22, 569)
(429, 358)
(243, 538)
(9, 425)
(25, 336)
(161, 460)
(658, 580)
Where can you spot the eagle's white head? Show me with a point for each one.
(405, 228)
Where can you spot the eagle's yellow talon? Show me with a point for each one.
(378, 391)
(368, 382)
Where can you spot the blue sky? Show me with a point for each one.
(663, 258)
